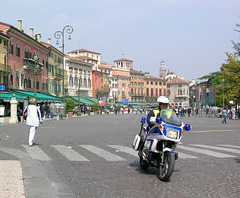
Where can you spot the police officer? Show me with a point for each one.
(163, 103)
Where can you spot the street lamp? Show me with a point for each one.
(79, 109)
(223, 91)
(58, 35)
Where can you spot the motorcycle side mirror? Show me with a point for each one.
(158, 120)
(187, 127)
(143, 120)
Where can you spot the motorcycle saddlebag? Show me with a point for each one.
(136, 142)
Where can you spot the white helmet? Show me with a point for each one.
(163, 99)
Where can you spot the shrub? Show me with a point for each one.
(95, 107)
(70, 105)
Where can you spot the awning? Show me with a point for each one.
(83, 100)
(6, 97)
(41, 97)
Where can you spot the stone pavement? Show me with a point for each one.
(11, 180)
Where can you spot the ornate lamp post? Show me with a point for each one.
(68, 29)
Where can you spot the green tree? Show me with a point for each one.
(230, 79)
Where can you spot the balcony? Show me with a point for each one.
(29, 63)
(57, 76)
(5, 68)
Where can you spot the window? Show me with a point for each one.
(85, 82)
(151, 82)
(17, 50)
(11, 78)
(123, 85)
(70, 81)
(156, 83)
(17, 79)
(29, 81)
(89, 82)
(151, 92)
(147, 92)
(37, 84)
(11, 47)
(156, 92)
(75, 81)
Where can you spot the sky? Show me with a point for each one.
(191, 36)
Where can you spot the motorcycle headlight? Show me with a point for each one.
(171, 133)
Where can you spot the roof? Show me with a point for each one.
(132, 71)
(152, 78)
(123, 59)
(105, 66)
(83, 50)
(178, 81)
(82, 58)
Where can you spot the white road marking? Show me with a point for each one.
(102, 153)
(218, 148)
(69, 153)
(125, 149)
(206, 152)
(36, 153)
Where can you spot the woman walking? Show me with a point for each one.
(32, 120)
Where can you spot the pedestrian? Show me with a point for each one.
(32, 120)
(47, 110)
(224, 114)
(19, 113)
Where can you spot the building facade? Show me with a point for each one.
(25, 55)
(79, 77)
(4, 67)
(55, 70)
(154, 87)
(121, 75)
(106, 71)
(137, 86)
(178, 92)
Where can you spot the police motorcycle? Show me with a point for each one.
(156, 147)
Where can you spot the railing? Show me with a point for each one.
(5, 67)
(30, 62)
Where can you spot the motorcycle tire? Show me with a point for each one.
(166, 170)
(143, 164)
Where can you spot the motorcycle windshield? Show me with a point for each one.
(168, 116)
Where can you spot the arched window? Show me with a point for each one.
(17, 50)
(11, 47)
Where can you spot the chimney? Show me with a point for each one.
(38, 38)
(49, 41)
(20, 24)
(31, 32)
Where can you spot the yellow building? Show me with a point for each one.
(4, 68)
(55, 70)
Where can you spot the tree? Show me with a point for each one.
(230, 79)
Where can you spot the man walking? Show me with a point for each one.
(224, 113)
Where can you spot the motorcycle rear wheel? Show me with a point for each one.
(143, 163)
(166, 170)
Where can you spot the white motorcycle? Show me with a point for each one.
(156, 147)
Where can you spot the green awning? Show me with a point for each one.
(6, 97)
(94, 100)
(41, 97)
(83, 100)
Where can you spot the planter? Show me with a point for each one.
(70, 114)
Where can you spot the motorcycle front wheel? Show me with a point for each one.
(143, 163)
(166, 169)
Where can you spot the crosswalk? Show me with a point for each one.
(120, 153)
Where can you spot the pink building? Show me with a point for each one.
(22, 49)
(121, 74)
